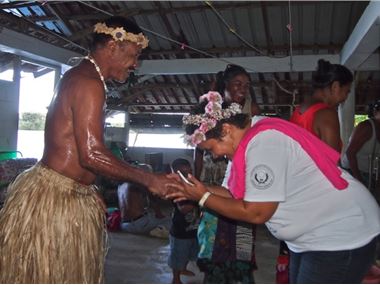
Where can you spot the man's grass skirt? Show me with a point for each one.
(52, 230)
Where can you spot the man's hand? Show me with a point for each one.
(183, 191)
(160, 184)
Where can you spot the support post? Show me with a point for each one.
(346, 113)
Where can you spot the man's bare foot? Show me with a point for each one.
(187, 272)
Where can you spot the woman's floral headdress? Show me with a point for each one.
(119, 34)
(208, 120)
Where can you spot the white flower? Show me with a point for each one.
(119, 34)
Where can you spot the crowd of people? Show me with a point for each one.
(286, 177)
(248, 169)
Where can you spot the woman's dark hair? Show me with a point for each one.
(223, 77)
(99, 39)
(327, 73)
(238, 120)
(372, 108)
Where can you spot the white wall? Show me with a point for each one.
(169, 154)
(9, 101)
(116, 134)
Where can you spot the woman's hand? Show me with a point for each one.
(184, 191)
(158, 185)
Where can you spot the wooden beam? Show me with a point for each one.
(266, 26)
(60, 17)
(364, 39)
(27, 28)
(276, 49)
(29, 47)
(251, 64)
(18, 4)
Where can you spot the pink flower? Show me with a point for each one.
(211, 96)
(204, 127)
(209, 107)
(213, 107)
(211, 123)
(214, 96)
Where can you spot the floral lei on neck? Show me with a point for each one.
(119, 34)
(207, 121)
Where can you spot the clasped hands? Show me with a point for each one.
(181, 190)
(171, 186)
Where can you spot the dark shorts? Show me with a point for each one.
(181, 252)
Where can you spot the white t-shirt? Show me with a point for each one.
(254, 120)
(312, 214)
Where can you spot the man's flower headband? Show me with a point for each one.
(119, 34)
(208, 120)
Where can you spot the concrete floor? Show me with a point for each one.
(140, 259)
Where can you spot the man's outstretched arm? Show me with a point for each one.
(88, 122)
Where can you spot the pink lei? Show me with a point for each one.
(325, 157)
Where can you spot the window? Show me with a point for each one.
(7, 75)
(157, 140)
(35, 97)
(116, 120)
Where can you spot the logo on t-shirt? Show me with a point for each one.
(262, 177)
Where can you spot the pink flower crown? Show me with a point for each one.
(207, 121)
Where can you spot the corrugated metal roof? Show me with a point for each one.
(318, 27)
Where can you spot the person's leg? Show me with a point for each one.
(179, 256)
(294, 266)
(176, 277)
(142, 225)
(346, 266)
(322, 267)
(192, 254)
(193, 249)
(361, 261)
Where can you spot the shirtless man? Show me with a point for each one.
(52, 225)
